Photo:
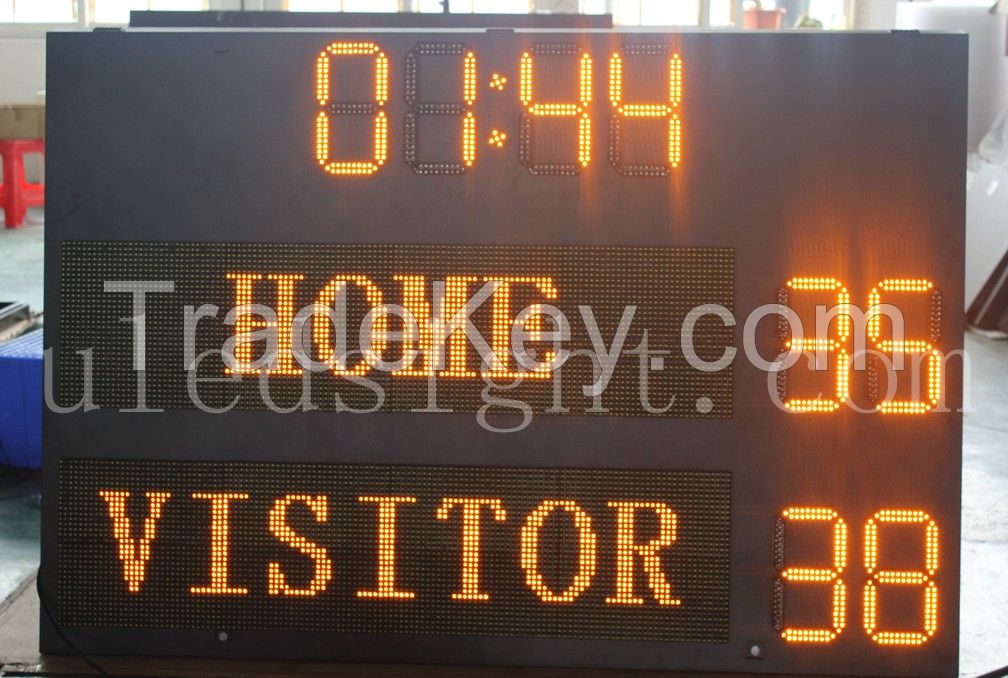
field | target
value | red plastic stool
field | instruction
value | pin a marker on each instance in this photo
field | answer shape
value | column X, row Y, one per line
column 16, row 194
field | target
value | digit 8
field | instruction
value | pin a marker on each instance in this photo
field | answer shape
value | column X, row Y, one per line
column 901, row 577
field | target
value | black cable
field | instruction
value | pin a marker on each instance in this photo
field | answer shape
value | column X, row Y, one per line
column 48, row 613
column 996, row 673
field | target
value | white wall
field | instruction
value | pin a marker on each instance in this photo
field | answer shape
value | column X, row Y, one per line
column 22, row 69
column 874, row 15
column 988, row 65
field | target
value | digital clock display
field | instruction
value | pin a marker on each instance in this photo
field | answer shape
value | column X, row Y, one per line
column 540, row 121
column 610, row 349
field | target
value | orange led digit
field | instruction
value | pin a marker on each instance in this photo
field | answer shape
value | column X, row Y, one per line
column 381, row 77
column 220, row 536
column 469, row 121
column 587, row 547
column 471, row 541
column 615, row 79
column 819, row 575
column 386, row 548
column 668, row 111
column 577, row 110
column 906, row 346
column 469, row 139
column 584, row 122
column 627, row 547
column 469, row 79
column 824, row 345
column 418, row 108
column 525, row 79
column 330, row 108
column 277, row 580
column 880, row 577
column 133, row 553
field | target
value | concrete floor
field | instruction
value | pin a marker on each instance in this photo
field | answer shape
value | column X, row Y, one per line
column 984, row 611
column 19, row 530
column 984, row 608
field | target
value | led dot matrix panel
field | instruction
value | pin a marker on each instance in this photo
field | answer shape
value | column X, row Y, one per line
column 407, row 549
column 588, row 171
column 660, row 283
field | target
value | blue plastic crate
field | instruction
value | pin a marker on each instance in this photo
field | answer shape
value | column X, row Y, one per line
column 21, row 401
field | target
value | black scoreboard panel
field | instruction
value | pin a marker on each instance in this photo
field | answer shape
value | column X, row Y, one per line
column 510, row 219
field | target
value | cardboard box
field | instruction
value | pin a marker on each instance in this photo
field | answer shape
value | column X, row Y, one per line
column 23, row 121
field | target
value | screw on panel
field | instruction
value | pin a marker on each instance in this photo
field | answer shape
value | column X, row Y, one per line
column 755, row 651
column 223, row 636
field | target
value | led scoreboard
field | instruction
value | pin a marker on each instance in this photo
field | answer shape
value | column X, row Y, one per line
column 569, row 348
